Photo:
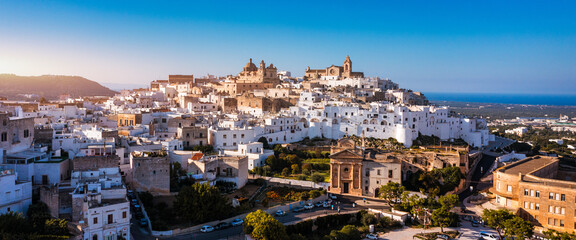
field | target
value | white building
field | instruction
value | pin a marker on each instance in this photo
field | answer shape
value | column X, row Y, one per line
column 16, row 195
column 99, row 203
column 254, row 151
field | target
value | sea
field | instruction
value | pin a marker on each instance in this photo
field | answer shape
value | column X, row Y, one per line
column 515, row 98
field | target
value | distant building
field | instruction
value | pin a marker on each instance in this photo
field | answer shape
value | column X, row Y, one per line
column 344, row 71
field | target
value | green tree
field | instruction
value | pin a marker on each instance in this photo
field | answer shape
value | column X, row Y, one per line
column 555, row 235
column 14, row 223
column 498, row 219
column 368, row 218
column 201, row 202
column 293, row 159
column 307, row 166
column 449, row 201
column 262, row 226
column 442, row 217
column 286, row 172
column 56, row 226
column 275, row 163
column 317, row 177
column 295, row 169
column 391, row 192
column 518, row 228
column 348, row 232
column 37, row 214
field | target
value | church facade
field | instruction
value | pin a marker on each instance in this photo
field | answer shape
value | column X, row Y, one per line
column 334, row 72
column 358, row 171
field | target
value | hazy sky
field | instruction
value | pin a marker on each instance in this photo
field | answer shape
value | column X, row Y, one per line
column 430, row 46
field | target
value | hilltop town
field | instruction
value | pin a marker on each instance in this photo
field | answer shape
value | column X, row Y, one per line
column 188, row 152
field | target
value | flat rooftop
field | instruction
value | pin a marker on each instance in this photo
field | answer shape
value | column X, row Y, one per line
column 528, row 165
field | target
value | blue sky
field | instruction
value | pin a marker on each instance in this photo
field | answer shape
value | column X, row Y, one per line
column 429, row 46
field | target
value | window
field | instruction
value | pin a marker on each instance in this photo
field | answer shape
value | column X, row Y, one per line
column 557, row 210
column 4, row 136
column 498, row 185
column 95, row 220
column 563, row 211
column 124, row 214
column 367, row 172
column 509, row 188
column 563, row 197
column 555, row 222
column 526, row 204
column 537, row 207
column 531, row 205
column 550, row 209
column 550, row 221
column 537, row 193
column 561, row 223
column 551, row 196
column 234, row 136
column 526, row 192
column 390, row 174
column 532, row 193
column 378, row 172
column 224, row 136
column 557, row 196
column 26, row 133
column 110, row 218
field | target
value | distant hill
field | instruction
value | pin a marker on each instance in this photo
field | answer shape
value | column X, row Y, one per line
column 49, row 86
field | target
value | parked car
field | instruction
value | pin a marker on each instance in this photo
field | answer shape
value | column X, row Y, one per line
column 329, row 200
column 134, row 201
column 443, row 236
column 280, row 213
column 326, row 204
column 309, row 206
column 332, row 196
column 488, row 236
column 237, row 222
column 139, row 215
column 143, row 222
column 318, row 204
column 371, row 236
column 206, row 229
column 222, row 225
column 298, row 209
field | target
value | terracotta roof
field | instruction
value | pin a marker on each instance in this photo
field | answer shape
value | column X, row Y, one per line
column 197, row 156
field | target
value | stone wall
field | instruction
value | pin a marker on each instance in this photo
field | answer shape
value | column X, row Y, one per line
column 151, row 174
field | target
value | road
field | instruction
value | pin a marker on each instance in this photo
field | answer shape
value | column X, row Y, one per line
column 345, row 205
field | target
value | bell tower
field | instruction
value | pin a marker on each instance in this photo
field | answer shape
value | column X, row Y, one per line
column 347, row 67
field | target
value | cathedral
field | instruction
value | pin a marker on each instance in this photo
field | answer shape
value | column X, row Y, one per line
column 252, row 78
column 339, row 72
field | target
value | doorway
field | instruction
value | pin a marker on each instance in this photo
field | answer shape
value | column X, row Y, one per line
column 346, row 187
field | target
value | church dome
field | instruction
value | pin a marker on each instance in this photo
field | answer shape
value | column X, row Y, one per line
column 250, row 66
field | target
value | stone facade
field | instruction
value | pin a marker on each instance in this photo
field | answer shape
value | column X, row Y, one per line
column 193, row 136
column 344, row 71
column 358, row 172
column 540, row 190
column 129, row 119
column 150, row 172
column 16, row 134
